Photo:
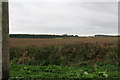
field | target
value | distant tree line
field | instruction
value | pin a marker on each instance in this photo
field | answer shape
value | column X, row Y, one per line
column 107, row 35
column 40, row 36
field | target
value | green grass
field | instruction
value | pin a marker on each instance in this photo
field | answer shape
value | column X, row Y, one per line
column 22, row 71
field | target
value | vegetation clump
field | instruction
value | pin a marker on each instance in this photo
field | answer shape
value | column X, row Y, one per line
column 79, row 61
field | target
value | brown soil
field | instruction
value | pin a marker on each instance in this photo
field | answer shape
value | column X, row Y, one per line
column 22, row 42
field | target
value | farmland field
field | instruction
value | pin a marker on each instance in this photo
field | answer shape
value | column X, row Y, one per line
column 21, row 42
column 80, row 58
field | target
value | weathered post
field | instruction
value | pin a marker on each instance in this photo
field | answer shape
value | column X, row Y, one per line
column 0, row 40
column 4, row 35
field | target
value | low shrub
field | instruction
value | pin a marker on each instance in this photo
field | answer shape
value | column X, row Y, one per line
column 67, row 54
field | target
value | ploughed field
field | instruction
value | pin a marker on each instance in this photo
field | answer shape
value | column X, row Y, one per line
column 22, row 42
column 81, row 58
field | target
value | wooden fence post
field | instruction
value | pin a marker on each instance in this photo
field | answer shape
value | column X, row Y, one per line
column 4, row 38
column 0, row 40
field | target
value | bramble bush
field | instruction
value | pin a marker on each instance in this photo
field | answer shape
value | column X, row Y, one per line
column 68, row 61
column 67, row 54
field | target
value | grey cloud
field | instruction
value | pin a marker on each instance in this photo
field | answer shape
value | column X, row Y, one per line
column 68, row 17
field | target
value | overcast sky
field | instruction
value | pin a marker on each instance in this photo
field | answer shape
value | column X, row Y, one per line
column 81, row 18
